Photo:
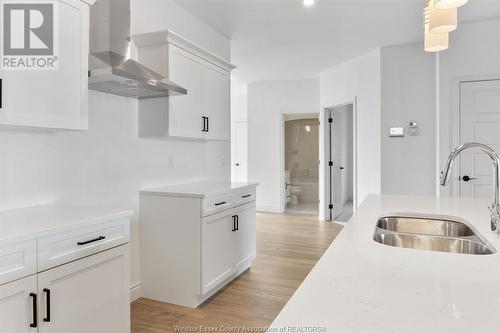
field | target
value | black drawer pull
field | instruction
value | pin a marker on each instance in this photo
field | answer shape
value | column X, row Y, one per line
column 234, row 223
column 92, row 240
column 35, row 311
column 220, row 203
column 246, row 196
column 47, row 302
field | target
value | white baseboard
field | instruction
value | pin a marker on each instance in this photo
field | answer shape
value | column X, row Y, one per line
column 135, row 292
column 268, row 209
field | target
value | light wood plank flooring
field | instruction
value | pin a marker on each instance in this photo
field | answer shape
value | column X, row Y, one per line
column 288, row 246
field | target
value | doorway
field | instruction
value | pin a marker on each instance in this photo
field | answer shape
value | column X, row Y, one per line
column 301, row 162
column 479, row 121
column 239, row 152
column 340, row 162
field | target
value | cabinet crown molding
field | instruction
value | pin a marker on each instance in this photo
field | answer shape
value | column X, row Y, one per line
column 170, row 37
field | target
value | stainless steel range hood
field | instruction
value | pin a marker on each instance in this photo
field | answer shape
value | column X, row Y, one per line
column 110, row 68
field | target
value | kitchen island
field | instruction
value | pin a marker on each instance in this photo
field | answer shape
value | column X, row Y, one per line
column 360, row 285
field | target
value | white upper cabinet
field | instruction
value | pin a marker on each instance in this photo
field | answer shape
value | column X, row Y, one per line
column 204, row 113
column 55, row 98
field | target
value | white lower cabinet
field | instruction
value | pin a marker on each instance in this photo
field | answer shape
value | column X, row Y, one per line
column 193, row 245
column 87, row 295
column 18, row 306
column 217, row 261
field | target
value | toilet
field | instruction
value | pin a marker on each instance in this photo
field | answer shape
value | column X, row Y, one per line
column 295, row 191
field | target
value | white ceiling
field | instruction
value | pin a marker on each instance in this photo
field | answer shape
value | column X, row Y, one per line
column 281, row 39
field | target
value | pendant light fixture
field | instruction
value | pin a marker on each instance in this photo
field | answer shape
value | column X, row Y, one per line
column 446, row 4
column 441, row 20
column 433, row 42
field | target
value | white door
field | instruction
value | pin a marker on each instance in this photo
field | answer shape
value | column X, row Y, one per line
column 216, row 250
column 217, row 101
column 245, row 242
column 16, row 306
column 240, row 152
column 336, row 158
column 479, row 122
column 185, row 111
column 88, row 295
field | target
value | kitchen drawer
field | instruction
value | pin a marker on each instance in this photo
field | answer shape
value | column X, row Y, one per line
column 244, row 196
column 17, row 260
column 213, row 205
column 80, row 242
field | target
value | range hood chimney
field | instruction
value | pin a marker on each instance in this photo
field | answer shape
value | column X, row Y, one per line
column 110, row 68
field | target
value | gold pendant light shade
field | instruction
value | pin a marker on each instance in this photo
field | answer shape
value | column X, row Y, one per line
column 434, row 42
column 447, row 4
column 441, row 20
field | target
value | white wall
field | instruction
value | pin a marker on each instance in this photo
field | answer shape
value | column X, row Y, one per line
column 108, row 164
column 408, row 94
column 266, row 103
column 473, row 54
column 360, row 79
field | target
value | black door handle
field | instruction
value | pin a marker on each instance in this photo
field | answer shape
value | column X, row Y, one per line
column 467, row 178
column 47, row 302
column 35, row 311
column 92, row 240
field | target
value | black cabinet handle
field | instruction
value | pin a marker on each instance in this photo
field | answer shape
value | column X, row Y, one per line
column 246, row 196
column 35, row 311
column 1, row 93
column 219, row 203
column 205, row 124
column 208, row 125
column 234, row 223
column 237, row 222
column 92, row 240
column 47, row 302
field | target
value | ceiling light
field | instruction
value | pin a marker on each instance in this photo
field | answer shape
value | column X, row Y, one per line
column 308, row 3
column 446, row 4
column 441, row 20
column 434, row 42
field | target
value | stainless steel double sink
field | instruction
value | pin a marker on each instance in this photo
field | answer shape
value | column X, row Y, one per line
column 431, row 234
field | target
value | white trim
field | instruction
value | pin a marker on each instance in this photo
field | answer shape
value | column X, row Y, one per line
column 135, row 292
column 170, row 37
column 437, row 106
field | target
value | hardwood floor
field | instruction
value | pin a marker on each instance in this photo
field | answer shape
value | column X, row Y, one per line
column 288, row 246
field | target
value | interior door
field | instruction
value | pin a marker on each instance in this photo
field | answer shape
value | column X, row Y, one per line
column 479, row 122
column 245, row 235
column 16, row 306
column 336, row 158
column 87, row 295
column 240, row 152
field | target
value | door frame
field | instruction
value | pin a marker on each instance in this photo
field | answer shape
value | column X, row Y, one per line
column 282, row 114
column 455, row 125
column 324, row 156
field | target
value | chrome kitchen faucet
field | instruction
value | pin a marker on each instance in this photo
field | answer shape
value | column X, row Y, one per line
column 445, row 177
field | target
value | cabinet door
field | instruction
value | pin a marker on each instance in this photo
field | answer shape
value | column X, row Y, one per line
column 216, row 250
column 53, row 98
column 16, row 306
column 186, row 70
column 245, row 236
column 217, row 102
column 88, row 295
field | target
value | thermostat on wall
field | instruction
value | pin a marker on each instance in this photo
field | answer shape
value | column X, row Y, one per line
column 396, row 132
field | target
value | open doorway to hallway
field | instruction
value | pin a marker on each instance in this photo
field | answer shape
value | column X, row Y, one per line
column 339, row 131
column 301, row 162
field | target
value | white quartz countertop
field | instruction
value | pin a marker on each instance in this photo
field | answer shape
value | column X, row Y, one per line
column 359, row 285
column 198, row 189
column 38, row 221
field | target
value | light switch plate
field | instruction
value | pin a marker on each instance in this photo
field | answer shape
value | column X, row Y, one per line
column 396, row 132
